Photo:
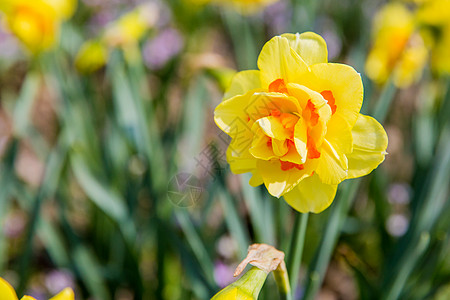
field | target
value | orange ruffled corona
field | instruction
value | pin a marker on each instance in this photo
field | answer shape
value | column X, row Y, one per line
column 295, row 123
column 8, row 293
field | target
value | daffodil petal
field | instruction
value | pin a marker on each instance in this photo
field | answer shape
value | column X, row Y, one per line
column 311, row 195
column 280, row 148
column 278, row 181
column 261, row 147
column 293, row 156
column 27, row 298
column 311, row 47
column 6, row 290
column 333, row 166
column 340, row 135
column 238, row 155
column 256, row 179
column 369, row 146
column 303, row 94
column 240, row 164
column 346, row 86
column 301, row 139
column 230, row 117
column 242, row 82
column 262, row 104
column 66, row 294
column 273, row 128
column 279, row 61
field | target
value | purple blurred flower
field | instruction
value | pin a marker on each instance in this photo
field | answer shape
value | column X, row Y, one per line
column 277, row 17
column 223, row 274
column 327, row 29
column 102, row 18
column 158, row 51
column 14, row 225
column 93, row 3
column 57, row 280
column 37, row 294
column 333, row 42
column 399, row 193
column 9, row 47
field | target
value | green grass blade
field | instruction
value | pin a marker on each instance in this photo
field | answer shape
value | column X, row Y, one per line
column 254, row 202
column 7, row 179
column 89, row 270
column 384, row 101
column 233, row 220
column 196, row 244
column 296, row 249
column 408, row 262
column 54, row 166
column 24, row 104
column 108, row 200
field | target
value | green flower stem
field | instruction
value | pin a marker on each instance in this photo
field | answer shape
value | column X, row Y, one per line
column 282, row 281
column 332, row 230
column 296, row 248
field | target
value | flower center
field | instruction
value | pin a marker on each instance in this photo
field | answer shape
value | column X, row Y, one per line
column 287, row 165
column 314, row 128
column 278, row 86
column 328, row 95
column 311, row 116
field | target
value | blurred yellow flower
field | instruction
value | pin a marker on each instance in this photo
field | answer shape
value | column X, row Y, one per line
column 91, row 57
column 440, row 57
column 248, row 6
column 132, row 26
column 434, row 12
column 125, row 32
column 434, row 16
column 295, row 123
column 8, row 293
column 36, row 23
column 242, row 6
column 398, row 50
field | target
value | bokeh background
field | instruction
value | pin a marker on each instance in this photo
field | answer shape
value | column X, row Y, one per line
column 113, row 176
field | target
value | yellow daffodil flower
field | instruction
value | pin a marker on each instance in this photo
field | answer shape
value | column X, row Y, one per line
column 132, row 26
column 243, row 6
column 91, row 57
column 36, row 23
column 440, row 57
column 125, row 32
column 247, row 6
column 397, row 49
column 8, row 293
column 434, row 16
column 295, row 123
column 434, row 12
